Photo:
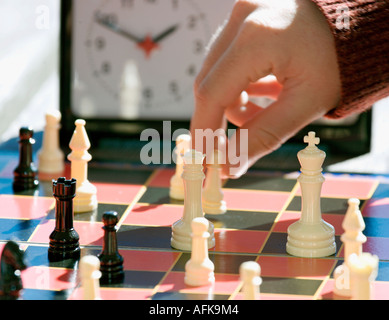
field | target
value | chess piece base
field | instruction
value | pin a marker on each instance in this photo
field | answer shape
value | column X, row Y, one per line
column 86, row 199
column 23, row 184
column 214, row 208
column 311, row 240
column 111, row 269
column 63, row 246
column 182, row 239
column 50, row 166
column 199, row 275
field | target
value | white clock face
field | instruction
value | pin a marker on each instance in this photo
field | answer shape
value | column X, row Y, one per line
column 138, row 59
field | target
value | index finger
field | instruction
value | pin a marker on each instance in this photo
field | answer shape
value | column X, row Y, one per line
column 225, row 82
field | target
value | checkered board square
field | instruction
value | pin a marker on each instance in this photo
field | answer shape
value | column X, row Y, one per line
column 261, row 206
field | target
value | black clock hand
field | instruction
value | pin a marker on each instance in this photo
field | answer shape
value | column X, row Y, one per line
column 115, row 28
column 165, row 33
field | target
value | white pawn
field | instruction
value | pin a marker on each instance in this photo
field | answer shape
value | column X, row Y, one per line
column 363, row 272
column 199, row 270
column 85, row 199
column 213, row 195
column 51, row 157
column 176, row 182
column 250, row 272
column 352, row 238
column 90, row 275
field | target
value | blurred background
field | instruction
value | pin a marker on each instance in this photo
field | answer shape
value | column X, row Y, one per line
column 29, row 79
column 29, row 45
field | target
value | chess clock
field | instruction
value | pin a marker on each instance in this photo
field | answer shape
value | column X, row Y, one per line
column 134, row 61
column 128, row 65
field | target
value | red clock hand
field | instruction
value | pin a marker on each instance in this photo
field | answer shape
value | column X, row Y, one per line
column 148, row 45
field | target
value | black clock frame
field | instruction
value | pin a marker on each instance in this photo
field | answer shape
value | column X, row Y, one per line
column 115, row 139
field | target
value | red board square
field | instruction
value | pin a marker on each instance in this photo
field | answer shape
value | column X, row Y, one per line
column 115, row 294
column 292, row 267
column 255, row 200
column 285, row 220
column 148, row 260
column 380, row 291
column 91, row 233
column 46, row 278
column 154, row 215
column 20, row 207
column 162, row 178
column 272, row 296
column 224, row 283
column 230, row 240
column 346, row 187
column 117, row 193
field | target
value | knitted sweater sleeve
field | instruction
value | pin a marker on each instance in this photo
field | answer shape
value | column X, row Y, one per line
column 361, row 32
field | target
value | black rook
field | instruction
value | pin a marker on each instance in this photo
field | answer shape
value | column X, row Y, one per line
column 64, row 240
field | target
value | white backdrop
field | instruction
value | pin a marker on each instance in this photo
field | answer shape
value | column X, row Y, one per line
column 29, row 33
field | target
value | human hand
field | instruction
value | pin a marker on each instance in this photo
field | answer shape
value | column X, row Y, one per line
column 281, row 49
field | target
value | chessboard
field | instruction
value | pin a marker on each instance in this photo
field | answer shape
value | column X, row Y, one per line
column 261, row 206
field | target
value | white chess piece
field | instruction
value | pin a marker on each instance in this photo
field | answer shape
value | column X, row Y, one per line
column 363, row 272
column 193, row 177
column 213, row 195
column 51, row 157
column 352, row 238
column 311, row 236
column 250, row 272
column 90, row 275
column 86, row 199
column 176, row 183
column 199, row 270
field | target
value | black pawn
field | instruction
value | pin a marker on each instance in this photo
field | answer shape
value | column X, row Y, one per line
column 25, row 173
column 64, row 240
column 111, row 262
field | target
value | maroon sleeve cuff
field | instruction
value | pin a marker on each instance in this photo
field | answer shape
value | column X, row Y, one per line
column 361, row 32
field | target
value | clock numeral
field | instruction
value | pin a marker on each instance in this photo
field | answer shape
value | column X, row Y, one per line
column 151, row 1
column 148, row 95
column 198, row 46
column 173, row 86
column 175, row 90
column 192, row 22
column 175, row 4
column 100, row 43
column 191, row 70
column 106, row 68
column 127, row 3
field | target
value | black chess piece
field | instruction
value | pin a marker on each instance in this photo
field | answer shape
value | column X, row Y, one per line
column 64, row 240
column 12, row 262
column 111, row 262
column 25, row 174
